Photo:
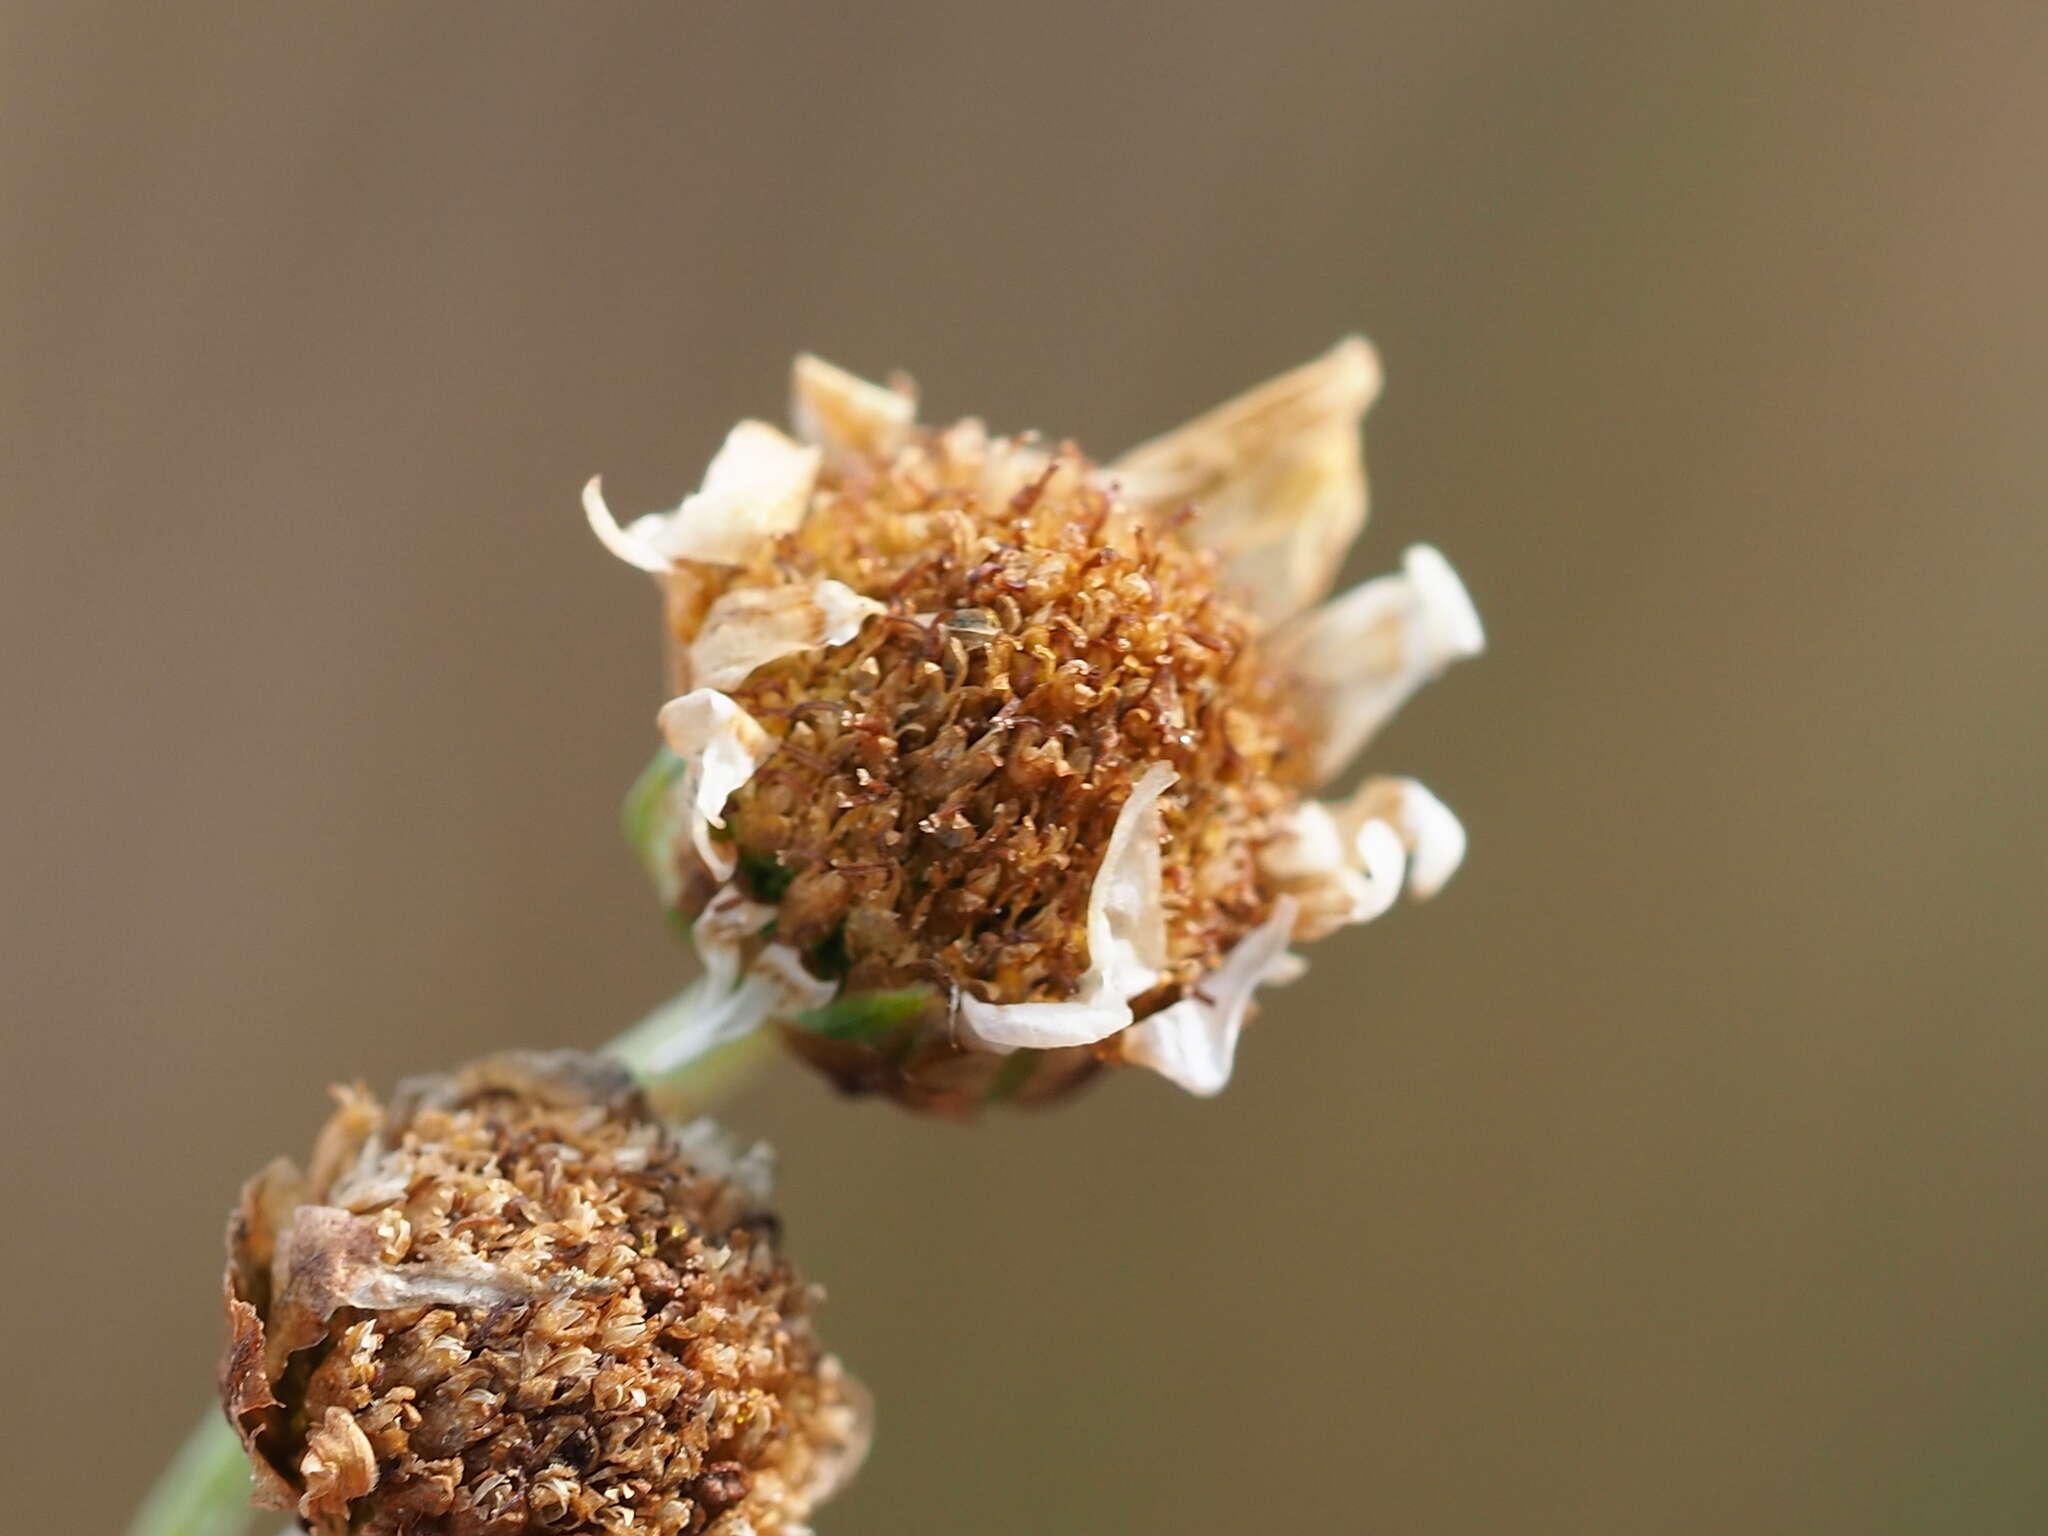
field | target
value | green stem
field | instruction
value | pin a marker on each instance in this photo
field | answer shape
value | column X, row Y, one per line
column 204, row 1491
column 685, row 1053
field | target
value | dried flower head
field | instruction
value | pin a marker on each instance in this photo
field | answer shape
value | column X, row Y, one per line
column 988, row 764
column 513, row 1302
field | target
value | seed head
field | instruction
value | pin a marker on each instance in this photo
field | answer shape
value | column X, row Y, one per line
column 513, row 1302
column 989, row 764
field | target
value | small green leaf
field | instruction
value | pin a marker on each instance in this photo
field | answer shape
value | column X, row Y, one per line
column 867, row 1016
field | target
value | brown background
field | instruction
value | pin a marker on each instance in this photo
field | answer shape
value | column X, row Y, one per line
column 1680, row 1171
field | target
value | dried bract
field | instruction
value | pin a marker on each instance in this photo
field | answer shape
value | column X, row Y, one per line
column 513, row 1302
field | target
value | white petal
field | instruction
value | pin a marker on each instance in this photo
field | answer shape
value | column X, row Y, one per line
column 751, row 626
column 637, row 546
column 842, row 413
column 757, row 488
column 1126, row 917
column 1430, row 830
column 722, row 745
column 1194, row 1042
column 1039, row 1026
column 1338, row 874
column 1358, row 658
column 1276, row 476
column 1126, row 941
column 1382, row 865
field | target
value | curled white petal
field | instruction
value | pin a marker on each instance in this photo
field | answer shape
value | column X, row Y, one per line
column 638, row 545
column 721, row 745
column 1194, row 1042
column 1429, row 829
column 1276, row 476
column 1382, row 865
column 757, row 488
column 1126, row 941
column 1039, row 1026
column 750, row 626
column 841, row 412
column 1126, row 917
column 1358, row 658
column 1337, row 874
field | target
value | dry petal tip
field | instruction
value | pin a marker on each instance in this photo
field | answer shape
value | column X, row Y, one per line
column 1452, row 619
column 757, row 488
column 749, row 627
column 844, row 413
column 1275, row 477
column 632, row 545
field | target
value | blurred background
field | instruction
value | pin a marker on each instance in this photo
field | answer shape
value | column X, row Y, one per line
column 1679, row 1171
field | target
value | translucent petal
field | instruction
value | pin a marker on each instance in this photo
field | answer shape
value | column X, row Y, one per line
column 638, row 545
column 1194, row 1042
column 1040, row 1026
column 757, row 488
column 1358, row 658
column 750, row 626
column 1126, row 917
column 722, row 745
column 845, row 414
column 1276, row 476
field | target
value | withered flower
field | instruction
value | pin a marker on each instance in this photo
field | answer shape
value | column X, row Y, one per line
column 512, row 1302
column 989, row 765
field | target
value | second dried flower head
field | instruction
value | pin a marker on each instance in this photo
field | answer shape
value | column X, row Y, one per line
column 989, row 765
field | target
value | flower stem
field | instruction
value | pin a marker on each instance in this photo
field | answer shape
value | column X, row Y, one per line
column 685, row 1053
column 205, row 1489
column 695, row 1048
